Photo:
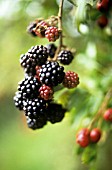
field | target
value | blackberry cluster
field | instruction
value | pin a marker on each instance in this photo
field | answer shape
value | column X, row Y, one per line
column 65, row 57
column 35, row 91
column 51, row 73
column 42, row 73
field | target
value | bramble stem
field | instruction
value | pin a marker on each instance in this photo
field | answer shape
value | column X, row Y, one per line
column 60, row 29
column 102, row 108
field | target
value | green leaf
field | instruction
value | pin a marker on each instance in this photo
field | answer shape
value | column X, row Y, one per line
column 89, row 154
column 81, row 12
column 90, row 2
column 72, row 2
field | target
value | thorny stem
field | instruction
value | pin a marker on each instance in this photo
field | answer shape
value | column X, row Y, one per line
column 60, row 29
column 102, row 108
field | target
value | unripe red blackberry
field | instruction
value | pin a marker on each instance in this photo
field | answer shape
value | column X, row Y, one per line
column 65, row 57
column 41, row 28
column 95, row 135
column 71, row 79
column 46, row 92
column 102, row 21
column 55, row 112
column 82, row 138
column 108, row 115
column 51, row 49
column 52, row 33
column 51, row 73
column 19, row 99
column 35, row 107
column 37, row 68
column 29, row 87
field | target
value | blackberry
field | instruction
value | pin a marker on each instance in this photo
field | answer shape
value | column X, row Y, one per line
column 55, row 113
column 35, row 107
column 41, row 28
column 103, row 6
column 108, row 115
column 36, row 123
column 51, row 73
column 28, row 62
column 51, row 49
column 29, row 87
column 71, row 79
column 39, row 53
column 18, row 100
column 37, row 68
column 102, row 21
column 95, row 135
column 52, row 33
column 46, row 92
column 65, row 57
column 83, row 137
column 52, row 21
column 31, row 28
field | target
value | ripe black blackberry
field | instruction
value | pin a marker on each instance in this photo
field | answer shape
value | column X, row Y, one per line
column 18, row 100
column 65, row 57
column 28, row 62
column 37, row 55
column 34, row 108
column 29, row 87
column 31, row 28
column 51, row 73
column 36, row 123
column 51, row 49
column 55, row 112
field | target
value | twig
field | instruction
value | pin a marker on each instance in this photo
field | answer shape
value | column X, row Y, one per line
column 102, row 108
column 60, row 29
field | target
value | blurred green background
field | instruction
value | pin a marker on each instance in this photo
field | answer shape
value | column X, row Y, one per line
column 52, row 147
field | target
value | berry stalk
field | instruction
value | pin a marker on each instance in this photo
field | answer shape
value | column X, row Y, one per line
column 60, row 29
column 102, row 108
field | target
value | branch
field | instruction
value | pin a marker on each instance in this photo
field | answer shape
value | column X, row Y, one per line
column 102, row 108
